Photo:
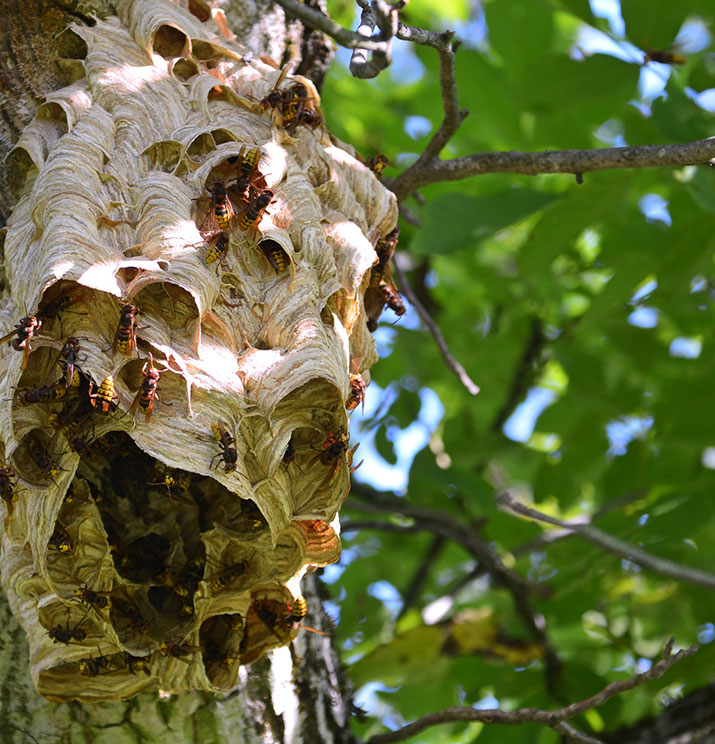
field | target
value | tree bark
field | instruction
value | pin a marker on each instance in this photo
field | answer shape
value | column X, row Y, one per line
column 690, row 720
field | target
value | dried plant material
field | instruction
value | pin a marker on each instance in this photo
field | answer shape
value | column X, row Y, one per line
column 170, row 478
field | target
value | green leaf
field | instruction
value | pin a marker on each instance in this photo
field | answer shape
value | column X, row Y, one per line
column 519, row 49
column 653, row 24
column 454, row 223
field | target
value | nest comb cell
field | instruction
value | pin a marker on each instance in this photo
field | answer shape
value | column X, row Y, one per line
column 187, row 264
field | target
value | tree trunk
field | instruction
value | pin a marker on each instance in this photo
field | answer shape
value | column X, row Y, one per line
column 690, row 720
column 104, row 180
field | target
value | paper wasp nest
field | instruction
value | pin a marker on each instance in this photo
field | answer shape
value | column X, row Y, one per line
column 156, row 532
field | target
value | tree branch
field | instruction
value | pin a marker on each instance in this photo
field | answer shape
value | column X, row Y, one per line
column 523, row 375
column 434, row 329
column 414, row 588
column 570, row 734
column 327, row 25
column 355, row 525
column 553, row 718
column 381, row 14
column 577, row 162
column 612, row 544
column 364, row 498
column 453, row 115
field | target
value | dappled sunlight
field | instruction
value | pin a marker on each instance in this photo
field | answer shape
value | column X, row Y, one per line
column 655, row 209
column 624, row 430
column 685, row 348
column 644, row 317
column 406, row 443
column 131, row 78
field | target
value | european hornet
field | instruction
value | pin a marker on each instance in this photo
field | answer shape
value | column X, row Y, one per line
column 269, row 614
column 177, row 650
column 64, row 422
column 391, row 297
column 44, row 394
column 147, row 394
column 24, row 330
column 54, row 307
column 125, row 339
column 335, row 446
column 7, row 484
column 185, row 583
column 220, row 581
column 377, row 164
column 297, row 612
column 275, row 254
column 275, row 97
column 185, row 609
column 221, row 207
column 131, row 613
column 193, row 571
column 668, row 56
column 289, row 454
column 297, row 108
column 51, row 309
column 66, row 635
column 173, row 478
column 61, row 541
column 385, row 248
column 216, row 247
column 93, row 666
column 42, row 459
column 166, row 577
column 256, row 208
column 247, row 167
column 136, row 664
column 106, row 398
column 356, row 396
column 228, row 455
column 68, row 360
column 96, row 600
column 236, row 622
column 252, row 515
column 81, row 447
column 282, row 623
column 214, row 654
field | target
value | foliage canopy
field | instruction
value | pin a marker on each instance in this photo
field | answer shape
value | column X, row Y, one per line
column 585, row 313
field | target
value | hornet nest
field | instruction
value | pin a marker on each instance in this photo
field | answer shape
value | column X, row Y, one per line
column 186, row 269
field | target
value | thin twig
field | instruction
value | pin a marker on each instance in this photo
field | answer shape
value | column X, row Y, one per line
column 612, row 544
column 414, row 588
column 453, row 115
column 570, row 734
column 344, row 37
column 360, row 65
column 434, row 329
column 551, row 536
column 355, row 525
column 551, row 718
column 353, row 40
column 364, row 498
column 449, row 527
column 576, row 162
column 523, row 375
